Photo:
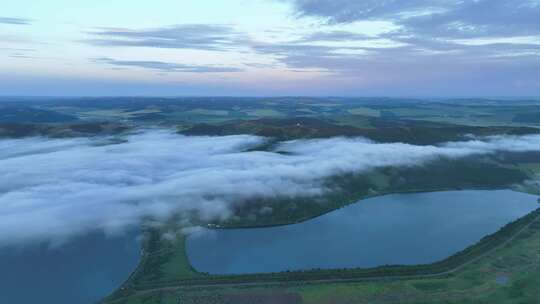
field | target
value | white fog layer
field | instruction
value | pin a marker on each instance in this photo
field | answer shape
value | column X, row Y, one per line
column 53, row 189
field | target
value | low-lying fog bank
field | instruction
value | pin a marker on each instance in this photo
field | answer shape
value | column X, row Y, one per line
column 53, row 189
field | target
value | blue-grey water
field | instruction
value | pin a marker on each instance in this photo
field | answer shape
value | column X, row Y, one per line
column 403, row 229
column 81, row 271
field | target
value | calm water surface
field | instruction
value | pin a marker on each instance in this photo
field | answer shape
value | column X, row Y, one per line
column 401, row 229
column 79, row 272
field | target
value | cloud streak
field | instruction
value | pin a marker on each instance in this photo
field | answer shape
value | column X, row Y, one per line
column 443, row 18
column 210, row 37
column 443, row 45
column 166, row 66
column 54, row 189
column 15, row 21
column 494, row 38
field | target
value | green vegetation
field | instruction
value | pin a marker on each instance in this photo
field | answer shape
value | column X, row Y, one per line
column 162, row 262
column 265, row 113
column 533, row 117
column 471, row 173
column 381, row 130
column 470, row 112
column 82, row 129
column 17, row 114
column 208, row 112
column 365, row 111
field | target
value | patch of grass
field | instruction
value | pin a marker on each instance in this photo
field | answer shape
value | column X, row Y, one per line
column 532, row 169
column 262, row 113
column 356, row 121
column 208, row 112
column 163, row 262
column 113, row 113
column 430, row 285
column 365, row 112
column 177, row 265
column 306, row 110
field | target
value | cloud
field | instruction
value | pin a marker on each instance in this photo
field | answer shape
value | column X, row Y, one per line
column 484, row 18
column 334, row 35
column 443, row 17
column 413, row 65
column 20, row 56
column 166, row 66
column 489, row 144
column 445, row 34
column 54, row 189
column 15, row 21
column 427, row 48
column 343, row 11
column 209, row 37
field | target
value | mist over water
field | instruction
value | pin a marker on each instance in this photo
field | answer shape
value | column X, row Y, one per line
column 54, row 189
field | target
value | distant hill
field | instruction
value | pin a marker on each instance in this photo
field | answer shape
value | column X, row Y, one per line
column 382, row 130
column 32, row 115
column 18, row 130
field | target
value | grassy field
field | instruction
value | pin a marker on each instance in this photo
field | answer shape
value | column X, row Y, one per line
column 365, row 112
column 478, row 112
column 262, row 113
column 208, row 112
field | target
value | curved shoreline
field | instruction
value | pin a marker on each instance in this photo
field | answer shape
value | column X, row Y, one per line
column 356, row 201
column 354, row 274
column 362, row 275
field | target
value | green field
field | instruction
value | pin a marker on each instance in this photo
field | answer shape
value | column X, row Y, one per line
column 475, row 112
column 271, row 113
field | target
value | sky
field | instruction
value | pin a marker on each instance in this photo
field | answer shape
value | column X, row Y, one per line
column 52, row 190
column 270, row 48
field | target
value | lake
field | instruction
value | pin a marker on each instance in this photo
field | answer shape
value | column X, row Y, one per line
column 405, row 229
column 81, row 271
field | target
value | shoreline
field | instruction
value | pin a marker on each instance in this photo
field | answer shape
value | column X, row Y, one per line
column 279, row 278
